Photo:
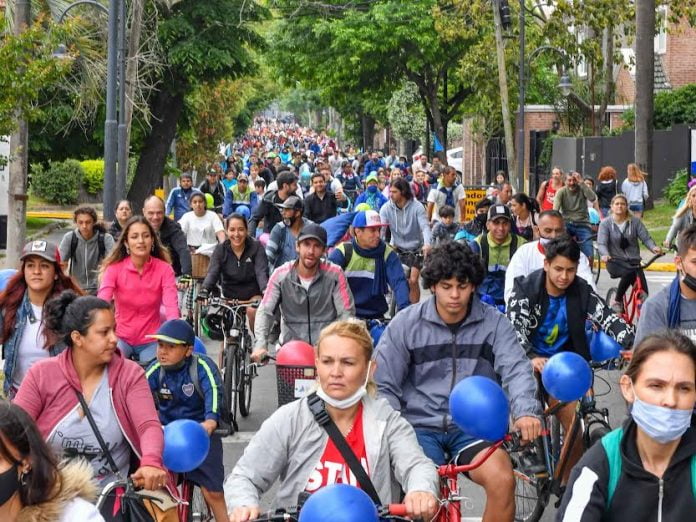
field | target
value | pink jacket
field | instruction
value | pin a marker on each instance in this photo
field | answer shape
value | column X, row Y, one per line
column 48, row 395
column 138, row 298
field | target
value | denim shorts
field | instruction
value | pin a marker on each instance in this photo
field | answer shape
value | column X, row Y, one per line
column 144, row 352
column 635, row 207
column 443, row 447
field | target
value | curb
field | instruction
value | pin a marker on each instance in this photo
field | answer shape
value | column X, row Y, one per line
column 655, row 267
column 47, row 230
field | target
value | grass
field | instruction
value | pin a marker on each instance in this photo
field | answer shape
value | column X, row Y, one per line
column 658, row 220
column 36, row 224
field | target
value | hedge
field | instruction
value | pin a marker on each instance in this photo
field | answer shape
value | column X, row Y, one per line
column 59, row 183
column 93, row 175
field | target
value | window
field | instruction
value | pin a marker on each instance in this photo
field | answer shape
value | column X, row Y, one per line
column 660, row 43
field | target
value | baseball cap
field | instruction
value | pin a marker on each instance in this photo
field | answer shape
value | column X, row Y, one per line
column 499, row 210
column 242, row 177
column 292, row 202
column 372, row 177
column 185, row 175
column 367, row 219
column 45, row 249
column 175, row 331
column 313, row 231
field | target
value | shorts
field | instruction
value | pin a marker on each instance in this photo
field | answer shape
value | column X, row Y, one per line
column 455, row 445
column 144, row 353
column 211, row 474
column 410, row 259
column 635, row 207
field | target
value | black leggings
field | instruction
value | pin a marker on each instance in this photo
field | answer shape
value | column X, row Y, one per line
column 628, row 279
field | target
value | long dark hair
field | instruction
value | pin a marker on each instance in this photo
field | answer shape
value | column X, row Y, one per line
column 11, row 297
column 17, row 429
column 119, row 251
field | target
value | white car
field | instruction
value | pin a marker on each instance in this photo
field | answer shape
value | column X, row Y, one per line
column 455, row 158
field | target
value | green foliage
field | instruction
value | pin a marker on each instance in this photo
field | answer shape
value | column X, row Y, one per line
column 93, row 175
column 677, row 106
column 405, row 113
column 27, row 67
column 59, row 183
column 676, row 190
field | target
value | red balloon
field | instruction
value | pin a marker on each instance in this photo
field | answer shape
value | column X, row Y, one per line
column 295, row 353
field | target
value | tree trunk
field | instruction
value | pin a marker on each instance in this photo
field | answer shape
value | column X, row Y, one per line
column 504, row 100
column 368, row 131
column 608, row 58
column 166, row 109
column 645, row 82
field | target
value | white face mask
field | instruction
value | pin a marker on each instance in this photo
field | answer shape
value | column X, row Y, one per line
column 544, row 240
column 343, row 404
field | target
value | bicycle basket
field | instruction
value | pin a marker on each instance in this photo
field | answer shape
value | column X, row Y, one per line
column 212, row 323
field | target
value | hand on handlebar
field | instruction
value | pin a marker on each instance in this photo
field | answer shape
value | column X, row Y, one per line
column 259, row 355
column 149, row 477
column 657, row 250
column 202, row 295
column 420, row 504
column 528, row 427
column 538, row 363
column 244, row 513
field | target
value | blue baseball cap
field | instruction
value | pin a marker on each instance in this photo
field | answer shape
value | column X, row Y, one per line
column 175, row 331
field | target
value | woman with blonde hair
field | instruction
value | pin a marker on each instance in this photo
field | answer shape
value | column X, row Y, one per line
column 636, row 189
column 138, row 277
column 292, row 446
column 683, row 218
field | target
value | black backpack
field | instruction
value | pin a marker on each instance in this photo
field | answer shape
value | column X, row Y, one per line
column 485, row 252
column 100, row 243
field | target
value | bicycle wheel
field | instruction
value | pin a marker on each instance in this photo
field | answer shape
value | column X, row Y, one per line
column 198, row 508
column 596, row 263
column 595, row 431
column 196, row 314
column 247, row 377
column 531, row 493
column 611, row 294
column 230, row 380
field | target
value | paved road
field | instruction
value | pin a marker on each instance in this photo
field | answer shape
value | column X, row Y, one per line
column 264, row 403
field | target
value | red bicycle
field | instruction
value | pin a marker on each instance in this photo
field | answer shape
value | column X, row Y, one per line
column 633, row 300
column 449, row 510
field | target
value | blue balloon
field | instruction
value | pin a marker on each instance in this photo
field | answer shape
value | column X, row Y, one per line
column 603, row 347
column 186, row 445
column 566, row 376
column 199, row 347
column 243, row 210
column 5, row 276
column 376, row 331
column 343, row 502
column 480, row 408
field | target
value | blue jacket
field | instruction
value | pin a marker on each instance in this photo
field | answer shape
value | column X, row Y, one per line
column 373, row 166
column 360, row 273
column 178, row 201
column 177, row 397
column 9, row 347
column 375, row 200
column 234, row 199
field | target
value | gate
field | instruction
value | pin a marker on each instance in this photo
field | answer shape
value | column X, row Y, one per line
column 538, row 165
column 496, row 157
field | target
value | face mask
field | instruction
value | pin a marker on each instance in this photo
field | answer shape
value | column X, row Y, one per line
column 343, row 404
column 174, row 367
column 372, row 189
column 660, row 423
column 544, row 241
column 689, row 281
column 9, row 484
column 481, row 218
column 289, row 221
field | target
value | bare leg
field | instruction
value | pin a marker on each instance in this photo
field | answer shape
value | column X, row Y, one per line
column 216, row 502
column 496, row 478
column 414, row 286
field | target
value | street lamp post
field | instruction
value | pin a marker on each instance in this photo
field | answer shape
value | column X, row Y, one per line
column 114, row 135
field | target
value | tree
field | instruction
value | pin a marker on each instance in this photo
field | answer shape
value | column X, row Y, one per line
column 201, row 43
column 645, row 82
column 368, row 49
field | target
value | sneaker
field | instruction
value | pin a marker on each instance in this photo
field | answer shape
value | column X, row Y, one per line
column 617, row 307
column 642, row 296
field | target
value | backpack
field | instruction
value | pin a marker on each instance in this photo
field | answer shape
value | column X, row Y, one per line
column 100, row 244
column 611, row 443
column 485, row 249
column 225, row 416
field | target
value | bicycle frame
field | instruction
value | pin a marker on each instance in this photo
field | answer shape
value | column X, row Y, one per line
column 632, row 301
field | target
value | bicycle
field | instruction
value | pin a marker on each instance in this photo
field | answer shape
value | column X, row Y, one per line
column 192, row 304
column 128, row 491
column 534, row 484
column 633, row 301
column 238, row 371
column 194, row 508
column 450, row 500
column 409, row 259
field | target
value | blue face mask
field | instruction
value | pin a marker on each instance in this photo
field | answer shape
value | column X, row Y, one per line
column 372, row 189
column 662, row 424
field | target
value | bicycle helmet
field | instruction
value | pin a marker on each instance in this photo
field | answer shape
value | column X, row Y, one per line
column 211, row 324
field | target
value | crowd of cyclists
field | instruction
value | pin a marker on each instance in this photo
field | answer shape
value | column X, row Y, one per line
column 98, row 355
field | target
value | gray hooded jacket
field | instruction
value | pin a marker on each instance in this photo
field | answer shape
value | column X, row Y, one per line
column 290, row 443
column 84, row 266
column 409, row 226
column 419, row 361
